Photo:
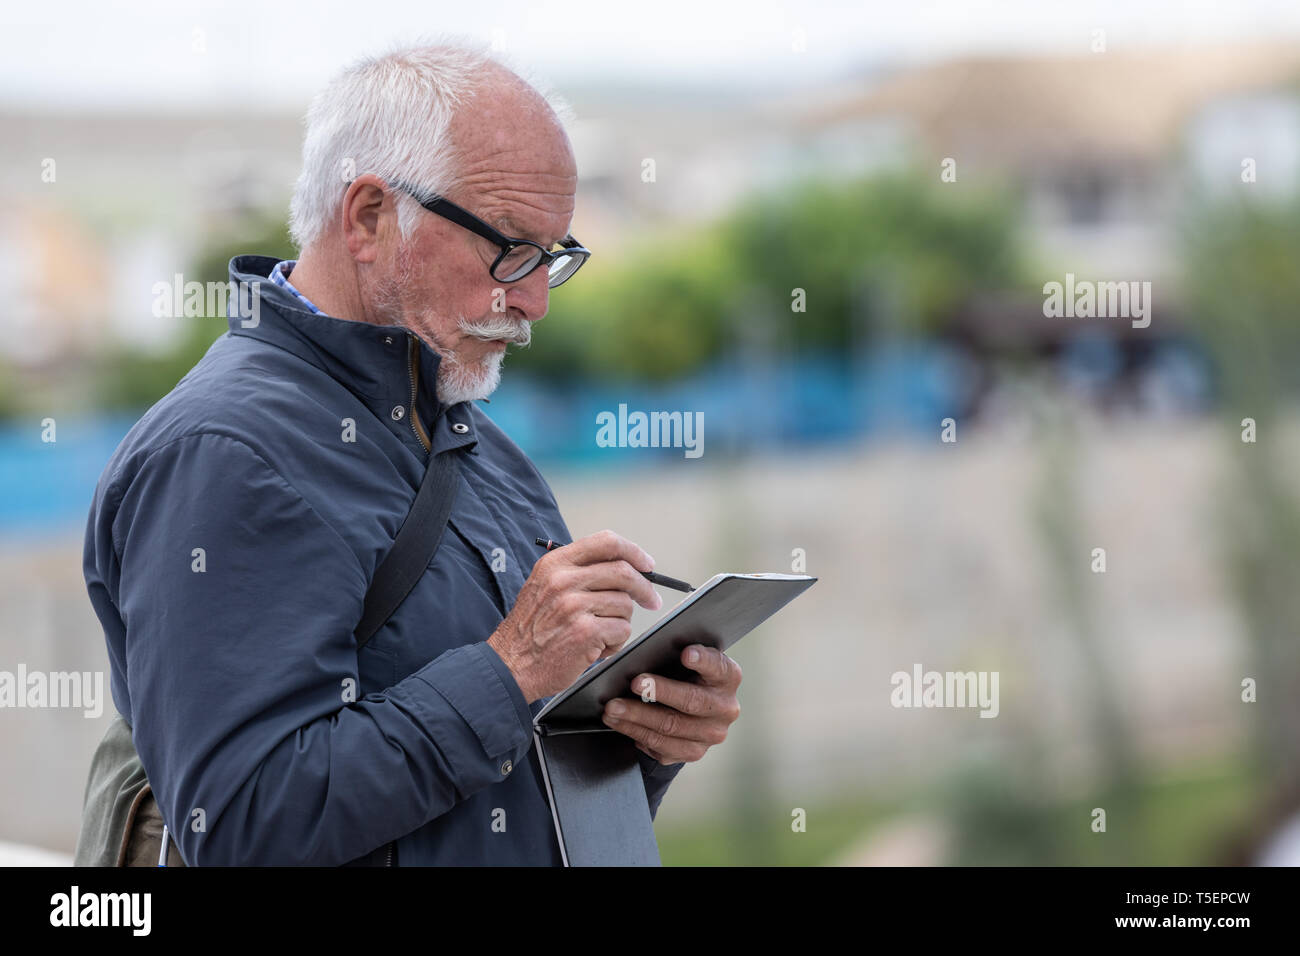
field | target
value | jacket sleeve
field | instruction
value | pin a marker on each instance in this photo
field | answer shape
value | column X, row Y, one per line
column 239, row 602
column 657, row 778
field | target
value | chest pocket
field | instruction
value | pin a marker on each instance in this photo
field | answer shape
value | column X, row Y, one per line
column 455, row 603
column 470, row 585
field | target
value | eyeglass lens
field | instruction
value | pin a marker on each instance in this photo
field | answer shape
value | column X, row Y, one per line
column 521, row 260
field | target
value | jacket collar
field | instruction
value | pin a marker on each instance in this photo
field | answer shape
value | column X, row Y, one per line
column 377, row 363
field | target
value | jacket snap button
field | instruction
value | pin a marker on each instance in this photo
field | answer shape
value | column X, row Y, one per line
column 506, row 768
column 398, row 412
column 460, row 428
column 388, row 340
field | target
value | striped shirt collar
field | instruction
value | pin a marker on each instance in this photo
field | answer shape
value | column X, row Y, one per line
column 280, row 276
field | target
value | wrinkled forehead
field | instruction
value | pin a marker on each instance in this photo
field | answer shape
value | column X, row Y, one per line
column 489, row 135
column 544, row 236
column 516, row 165
column 520, row 199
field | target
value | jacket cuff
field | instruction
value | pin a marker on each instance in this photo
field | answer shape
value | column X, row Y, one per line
column 657, row 777
column 511, row 685
column 481, row 689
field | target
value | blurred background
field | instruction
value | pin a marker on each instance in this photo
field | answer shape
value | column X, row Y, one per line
column 840, row 242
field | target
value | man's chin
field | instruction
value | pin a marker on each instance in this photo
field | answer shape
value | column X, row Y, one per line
column 454, row 386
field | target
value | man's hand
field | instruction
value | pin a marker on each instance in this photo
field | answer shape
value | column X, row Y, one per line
column 574, row 609
column 676, row 721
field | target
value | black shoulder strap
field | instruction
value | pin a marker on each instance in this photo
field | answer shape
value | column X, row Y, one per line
column 415, row 545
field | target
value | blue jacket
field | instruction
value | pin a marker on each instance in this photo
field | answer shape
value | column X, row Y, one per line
column 230, row 544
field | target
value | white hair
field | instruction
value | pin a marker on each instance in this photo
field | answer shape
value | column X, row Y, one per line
column 391, row 116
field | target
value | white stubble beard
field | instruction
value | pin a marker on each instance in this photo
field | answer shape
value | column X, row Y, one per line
column 458, row 382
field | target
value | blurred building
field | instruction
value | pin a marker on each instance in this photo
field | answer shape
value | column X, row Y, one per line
column 1105, row 146
column 98, row 207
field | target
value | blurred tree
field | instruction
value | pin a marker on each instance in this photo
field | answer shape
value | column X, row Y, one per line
column 939, row 243
column 11, row 403
column 1242, row 285
column 654, row 313
column 1106, row 722
column 665, row 308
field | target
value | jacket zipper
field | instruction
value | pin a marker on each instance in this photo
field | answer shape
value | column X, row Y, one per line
column 411, row 352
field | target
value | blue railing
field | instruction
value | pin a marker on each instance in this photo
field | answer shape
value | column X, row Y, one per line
column 757, row 408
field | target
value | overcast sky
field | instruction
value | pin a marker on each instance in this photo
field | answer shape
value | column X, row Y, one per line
column 200, row 53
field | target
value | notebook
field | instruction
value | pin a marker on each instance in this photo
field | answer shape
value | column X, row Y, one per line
column 592, row 774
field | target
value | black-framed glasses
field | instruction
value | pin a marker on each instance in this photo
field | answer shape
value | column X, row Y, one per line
column 519, row 257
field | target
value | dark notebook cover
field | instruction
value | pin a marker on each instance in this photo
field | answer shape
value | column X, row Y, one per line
column 593, row 777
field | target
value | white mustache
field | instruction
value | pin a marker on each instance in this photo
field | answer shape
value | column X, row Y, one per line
column 521, row 333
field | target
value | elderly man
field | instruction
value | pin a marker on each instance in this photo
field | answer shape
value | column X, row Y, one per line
column 234, row 533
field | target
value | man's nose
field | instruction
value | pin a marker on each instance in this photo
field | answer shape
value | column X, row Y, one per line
column 531, row 294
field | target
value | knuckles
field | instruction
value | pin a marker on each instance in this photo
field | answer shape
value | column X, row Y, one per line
column 693, row 700
column 569, row 603
column 584, row 629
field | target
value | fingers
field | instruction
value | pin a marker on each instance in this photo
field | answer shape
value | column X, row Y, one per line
column 611, row 604
column 608, row 633
column 575, row 608
column 714, row 666
column 621, row 576
column 653, row 754
column 604, row 561
column 698, row 700
column 608, row 546
column 658, row 727
column 615, row 609
column 667, row 750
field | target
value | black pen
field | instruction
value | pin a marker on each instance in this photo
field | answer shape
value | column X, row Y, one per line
column 652, row 577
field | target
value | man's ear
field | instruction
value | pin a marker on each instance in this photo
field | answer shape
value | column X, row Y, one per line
column 368, row 211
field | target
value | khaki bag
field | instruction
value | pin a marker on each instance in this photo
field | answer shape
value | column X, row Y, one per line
column 120, row 823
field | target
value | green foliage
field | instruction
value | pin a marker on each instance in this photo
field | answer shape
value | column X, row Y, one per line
column 652, row 314
column 1194, row 815
column 666, row 307
column 11, row 404
column 833, row 827
column 936, row 244
column 1240, row 287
